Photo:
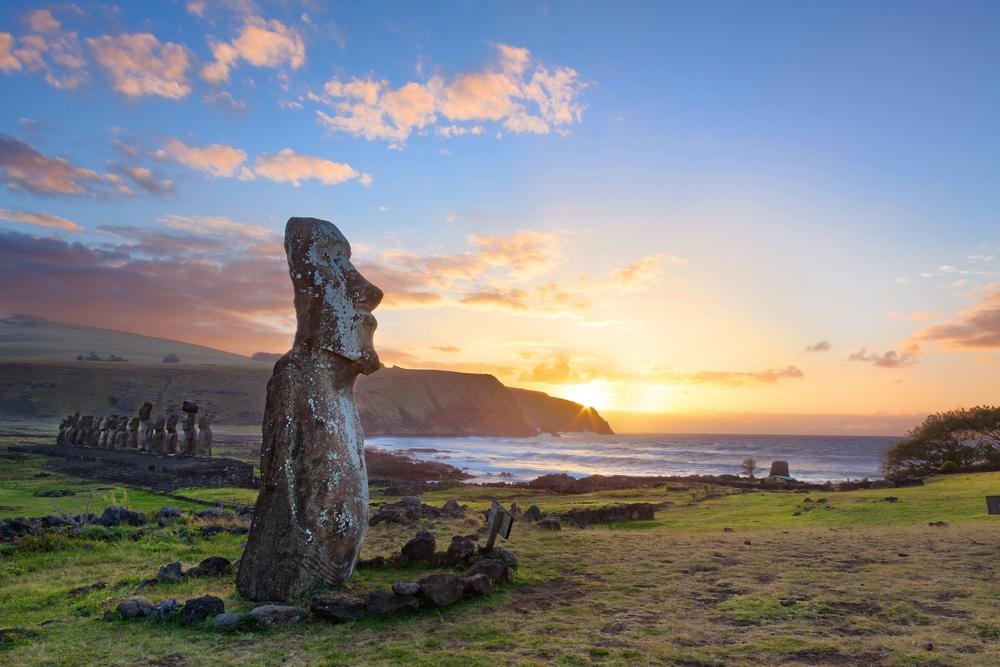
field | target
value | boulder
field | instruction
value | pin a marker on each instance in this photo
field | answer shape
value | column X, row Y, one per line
column 338, row 608
column 505, row 555
column 420, row 549
column 400, row 588
column 226, row 622
column 84, row 590
column 441, row 590
column 196, row 610
column 165, row 609
column 56, row 521
column 477, row 585
column 211, row 513
column 212, row 566
column 452, row 508
column 549, row 523
column 272, row 615
column 383, row 604
column 410, row 501
column 497, row 571
column 461, row 550
column 119, row 516
column 170, row 572
column 532, row 513
column 134, row 608
column 168, row 516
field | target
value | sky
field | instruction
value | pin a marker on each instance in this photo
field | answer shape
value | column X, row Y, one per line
column 673, row 209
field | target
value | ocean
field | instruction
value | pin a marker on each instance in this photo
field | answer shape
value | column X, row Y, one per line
column 810, row 458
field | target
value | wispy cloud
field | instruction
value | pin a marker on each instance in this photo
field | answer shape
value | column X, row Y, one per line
column 23, row 167
column 976, row 328
column 40, row 220
column 908, row 356
column 819, row 346
column 216, row 160
column 287, row 166
column 140, row 65
column 260, row 42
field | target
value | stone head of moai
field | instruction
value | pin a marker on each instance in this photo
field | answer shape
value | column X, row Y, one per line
column 159, row 423
column 172, row 422
column 145, row 410
column 205, row 421
column 333, row 301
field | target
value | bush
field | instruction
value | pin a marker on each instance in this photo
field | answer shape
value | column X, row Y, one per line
column 953, row 440
column 948, row 467
column 171, row 358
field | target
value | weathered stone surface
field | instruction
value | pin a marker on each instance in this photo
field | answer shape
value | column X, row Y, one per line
column 188, row 437
column 84, row 590
column 779, row 469
column 461, row 550
column 453, row 508
column 168, row 516
column 227, row 621
column 505, row 555
column 203, row 441
column 272, row 615
column 613, row 514
column 312, row 511
column 213, row 566
column 135, row 608
column 498, row 571
column 381, row 603
column 166, row 609
column 441, row 590
column 477, row 585
column 405, row 588
column 532, row 513
column 338, row 608
column 196, row 610
column 420, row 549
column 119, row 516
column 132, row 440
column 170, row 446
column 549, row 523
column 156, row 442
column 170, row 572
column 145, row 427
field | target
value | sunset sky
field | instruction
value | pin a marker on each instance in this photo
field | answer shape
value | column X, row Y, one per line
column 679, row 208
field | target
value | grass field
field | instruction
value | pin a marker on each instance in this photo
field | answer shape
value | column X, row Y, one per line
column 853, row 580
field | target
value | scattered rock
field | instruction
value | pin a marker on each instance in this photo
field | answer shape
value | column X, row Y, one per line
column 822, row 501
column 211, row 513
column 212, row 531
column 226, row 621
column 134, row 608
column 929, row 646
column 441, row 590
column 338, row 608
column 119, row 516
column 410, row 501
column 890, row 499
column 420, row 549
column 168, row 516
column 165, row 609
column 170, row 572
column 453, row 508
column 549, row 523
column 532, row 513
column 239, row 530
column 937, row 523
column 506, row 556
column 497, row 571
column 383, row 604
column 477, row 585
column 83, row 590
column 56, row 493
column 727, row 530
column 460, row 551
column 408, row 588
column 377, row 561
column 273, row 615
column 212, row 566
column 787, row 602
column 197, row 610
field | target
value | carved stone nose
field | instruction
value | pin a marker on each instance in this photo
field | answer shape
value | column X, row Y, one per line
column 369, row 296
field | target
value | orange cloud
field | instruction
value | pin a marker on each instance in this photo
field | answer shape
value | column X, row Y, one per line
column 8, row 61
column 976, row 328
column 216, row 160
column 21, row 166
column 888, row 359
column 287, row 166
column 261, row 43
column 40, row 220
column 49, row 50
column 41, row 20
column 140, row 65
column 738, row 378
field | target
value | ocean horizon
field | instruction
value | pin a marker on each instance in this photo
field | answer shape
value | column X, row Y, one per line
column 814, row 458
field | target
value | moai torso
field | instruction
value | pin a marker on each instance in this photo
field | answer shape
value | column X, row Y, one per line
column 121, row 433
column 132, row 439
column 157, row 437
column 188, row 434
column 171, row 437
column 145, row 427
column 204, row 439
column 102, row 437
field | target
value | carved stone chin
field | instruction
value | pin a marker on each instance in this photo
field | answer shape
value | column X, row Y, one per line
column 312, row 512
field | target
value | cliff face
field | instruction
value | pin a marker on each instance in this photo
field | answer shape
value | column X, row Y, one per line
column 393, row 401
column 548, row 413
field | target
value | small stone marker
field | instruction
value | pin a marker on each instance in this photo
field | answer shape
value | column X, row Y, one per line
column 500, row 521
column 993, row 504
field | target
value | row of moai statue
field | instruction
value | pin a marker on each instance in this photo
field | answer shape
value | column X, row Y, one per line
column 142, row 434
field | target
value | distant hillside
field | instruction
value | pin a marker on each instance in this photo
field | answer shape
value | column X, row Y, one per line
column 41, row 379
column 24, row 337
column 547, row 413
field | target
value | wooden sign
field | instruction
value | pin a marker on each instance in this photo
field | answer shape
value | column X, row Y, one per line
column 500, row 522
column 993, row 504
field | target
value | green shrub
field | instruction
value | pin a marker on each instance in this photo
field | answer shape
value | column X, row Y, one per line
column 948, row 467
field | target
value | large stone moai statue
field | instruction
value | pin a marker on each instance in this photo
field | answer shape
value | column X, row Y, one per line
column 204, row 440
column 312, row 511
column 189, row 443
column 145, row 426
column 121, row 433
column 102, row 438
column 157, row 436
column 170, row 443
column 95, row 431
column 64, row 428
column 132, row 439
column 69, row 438
column 82, row 438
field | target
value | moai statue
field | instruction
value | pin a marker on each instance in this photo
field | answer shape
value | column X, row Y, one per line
column 171, row 438
column 204, row 439
column 82, row 436
column 145, row 427
column 74, row 427
column 132, row 439
column 102, row 437
column 121, row 433
column 312, row 511
column 157, row 437
column 188, row 442
column 95, row 431
column 64, row 426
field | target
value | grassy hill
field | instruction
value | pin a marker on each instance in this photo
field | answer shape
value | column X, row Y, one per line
column 23, row 337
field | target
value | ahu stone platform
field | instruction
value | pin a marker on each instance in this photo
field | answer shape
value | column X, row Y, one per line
column 158, row 473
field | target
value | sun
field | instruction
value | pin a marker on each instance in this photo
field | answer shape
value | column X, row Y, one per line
column 595, row 394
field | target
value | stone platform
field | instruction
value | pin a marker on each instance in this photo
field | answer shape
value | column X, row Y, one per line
column 158, row 473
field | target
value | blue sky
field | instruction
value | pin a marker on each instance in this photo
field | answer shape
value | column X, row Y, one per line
column 710, row 186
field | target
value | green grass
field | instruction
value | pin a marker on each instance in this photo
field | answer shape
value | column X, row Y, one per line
column 870, row 581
